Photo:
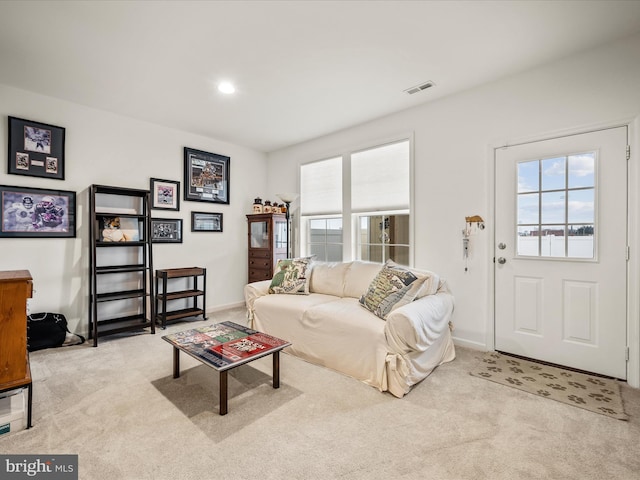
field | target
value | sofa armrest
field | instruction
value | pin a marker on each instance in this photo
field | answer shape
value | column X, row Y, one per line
column 415, row 326
column 255, row 290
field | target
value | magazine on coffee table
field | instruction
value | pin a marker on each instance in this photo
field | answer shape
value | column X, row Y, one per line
column 224, row 344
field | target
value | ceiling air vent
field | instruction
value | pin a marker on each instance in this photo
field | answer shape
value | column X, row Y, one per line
column 419, row 88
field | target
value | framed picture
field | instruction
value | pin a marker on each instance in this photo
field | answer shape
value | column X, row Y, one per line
column 165, row 194
column 35, row 149
column 206, row 176
column 206, row 222
column 119, row 228
column 166, row 230
column 36, row 212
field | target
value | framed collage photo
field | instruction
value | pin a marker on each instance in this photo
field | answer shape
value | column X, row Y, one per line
column 36, row 212
column 35, row 149
column 166, row 230
column 206, row 222
column 165, row 194
column 206, row 176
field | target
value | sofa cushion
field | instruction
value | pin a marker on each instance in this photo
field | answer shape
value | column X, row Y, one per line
column 291, row 275
column 328, row 278
column 358, row 277
column 393, row 287
column 287, row 310
column 333, row 332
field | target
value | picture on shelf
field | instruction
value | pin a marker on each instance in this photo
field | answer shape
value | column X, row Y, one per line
column 166, row 230
column 36, row 149
column 37, row 212
column 119, row 229
column 165, row 194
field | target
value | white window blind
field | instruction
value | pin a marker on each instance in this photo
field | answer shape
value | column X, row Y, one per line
column 380, row 178
column 321, row 187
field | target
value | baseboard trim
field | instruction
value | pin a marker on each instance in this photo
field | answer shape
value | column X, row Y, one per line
column 461, row 342
column 228, row 306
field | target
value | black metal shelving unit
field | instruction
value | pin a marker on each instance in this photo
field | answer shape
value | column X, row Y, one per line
column 105, row 263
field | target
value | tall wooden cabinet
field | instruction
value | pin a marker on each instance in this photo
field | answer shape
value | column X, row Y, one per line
column 267, row 234
column 16, row 286
column 121, row 267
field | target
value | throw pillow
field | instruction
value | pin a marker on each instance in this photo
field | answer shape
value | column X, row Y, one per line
column 292, row 276
column 393, row 287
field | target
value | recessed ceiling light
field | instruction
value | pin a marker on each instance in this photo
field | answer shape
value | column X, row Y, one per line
column 226, row 87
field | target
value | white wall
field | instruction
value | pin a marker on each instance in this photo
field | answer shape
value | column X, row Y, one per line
column 453, row 151
column 108, row 149
column 453, row 140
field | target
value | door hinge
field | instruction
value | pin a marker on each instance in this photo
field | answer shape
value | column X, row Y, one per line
column 626, row 353
column 628, row 252
column 628, row 152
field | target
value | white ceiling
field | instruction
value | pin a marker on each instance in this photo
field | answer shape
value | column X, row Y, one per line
column 302, row 68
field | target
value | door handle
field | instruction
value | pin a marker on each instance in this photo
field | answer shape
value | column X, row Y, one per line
column 502, row 260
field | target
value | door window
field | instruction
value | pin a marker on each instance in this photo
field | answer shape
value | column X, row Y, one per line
column 556, row 207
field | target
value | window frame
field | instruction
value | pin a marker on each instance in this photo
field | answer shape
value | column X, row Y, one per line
column 357, row 218
column 306, row 233
column 348, row 215
column 566, row 225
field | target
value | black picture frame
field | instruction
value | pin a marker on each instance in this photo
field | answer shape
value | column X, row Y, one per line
column 37, row 213
column 166, row 230
column 206, row 222
column 165, row 194
column 35, row 149
column 206, row 176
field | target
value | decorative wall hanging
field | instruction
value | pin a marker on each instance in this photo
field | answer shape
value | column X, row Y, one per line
column 206, row 176
column 36, row 212
column 165, row 194
column 166, row 230
column 206, row 222
column 35, row 149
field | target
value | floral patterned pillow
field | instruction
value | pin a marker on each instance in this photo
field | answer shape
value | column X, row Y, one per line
column 393, row 287
column 292, row 276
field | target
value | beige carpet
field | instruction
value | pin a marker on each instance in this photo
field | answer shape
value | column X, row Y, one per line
column 119, row 409
column 591, row 392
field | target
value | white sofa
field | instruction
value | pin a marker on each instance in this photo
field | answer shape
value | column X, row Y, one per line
column 329, row 327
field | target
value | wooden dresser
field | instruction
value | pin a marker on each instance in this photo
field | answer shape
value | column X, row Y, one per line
column 267, row 244
column 16, row 286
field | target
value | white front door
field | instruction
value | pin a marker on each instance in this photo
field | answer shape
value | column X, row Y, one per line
column 561, row 251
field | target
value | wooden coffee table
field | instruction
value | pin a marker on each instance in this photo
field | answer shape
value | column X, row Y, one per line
column 224, row 346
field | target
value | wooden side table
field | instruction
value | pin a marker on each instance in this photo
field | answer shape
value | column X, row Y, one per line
column 163, row 315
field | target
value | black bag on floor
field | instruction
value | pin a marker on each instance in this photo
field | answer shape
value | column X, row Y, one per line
column 46, row 330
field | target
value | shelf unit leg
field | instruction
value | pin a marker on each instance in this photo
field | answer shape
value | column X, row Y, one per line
column 204, row 296
column 164, row 302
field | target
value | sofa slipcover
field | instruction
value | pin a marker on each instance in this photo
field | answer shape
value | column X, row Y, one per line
column 329, row 327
